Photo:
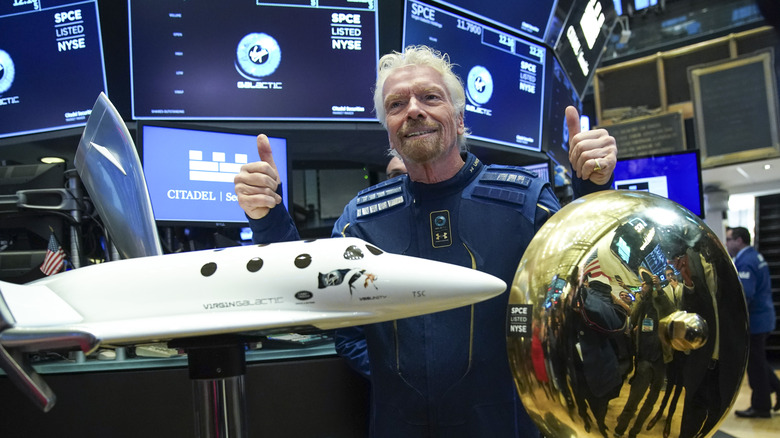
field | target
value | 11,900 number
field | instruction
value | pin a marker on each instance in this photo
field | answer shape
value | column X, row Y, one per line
column 468, row 26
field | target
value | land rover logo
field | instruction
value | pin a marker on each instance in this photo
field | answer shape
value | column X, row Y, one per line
column 304, row 295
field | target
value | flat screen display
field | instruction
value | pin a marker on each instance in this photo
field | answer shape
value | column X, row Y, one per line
column 541, row 169
column 561, row 94
column 51, row 65
column 582, row 39
column 189, row 172
column 676, row 176
column 503, row 74
column 253, row 60
column 528, row 18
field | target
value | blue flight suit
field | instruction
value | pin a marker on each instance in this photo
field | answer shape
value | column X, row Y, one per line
column 754, row 274
column 756, row 282
column 445, row 374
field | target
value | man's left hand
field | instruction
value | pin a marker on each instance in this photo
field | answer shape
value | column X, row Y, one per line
column 593, row 153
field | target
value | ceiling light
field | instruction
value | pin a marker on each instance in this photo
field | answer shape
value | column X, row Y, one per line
column 742, row 172
column 767, row 166
column 52, row 160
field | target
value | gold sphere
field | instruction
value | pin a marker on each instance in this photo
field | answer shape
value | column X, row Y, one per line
column 626, row 318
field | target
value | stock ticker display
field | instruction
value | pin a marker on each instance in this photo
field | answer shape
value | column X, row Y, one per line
column 51, row 65
column 503, row 74
column 237, row 60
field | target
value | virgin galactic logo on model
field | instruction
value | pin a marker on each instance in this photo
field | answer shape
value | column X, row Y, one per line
column 258, row 55
column 7, row 71
column 479, row 89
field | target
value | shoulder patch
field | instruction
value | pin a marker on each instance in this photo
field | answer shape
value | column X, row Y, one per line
column 498, row 194
column 507, row 175
column 380, row 197
column 505, row 184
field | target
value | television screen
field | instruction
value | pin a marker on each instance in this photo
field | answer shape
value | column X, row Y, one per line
column 524, row 17
column 253, row 60
column 676, row 176
column 51, row 65
column 503, row 74
column 582, row 39
column 561, row 94
column 189, row 172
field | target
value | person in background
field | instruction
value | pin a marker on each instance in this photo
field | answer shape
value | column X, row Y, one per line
column 627, row 298
column 446, row 373
column 756, row 283
column 395, row 167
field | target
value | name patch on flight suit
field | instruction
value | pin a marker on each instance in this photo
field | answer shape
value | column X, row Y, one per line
column 441, row 231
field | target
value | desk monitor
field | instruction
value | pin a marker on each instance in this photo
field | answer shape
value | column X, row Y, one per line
column 189, row 172
column 676, row 176
column 542, row 169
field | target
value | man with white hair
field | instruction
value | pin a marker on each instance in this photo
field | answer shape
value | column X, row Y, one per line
column 443, row 374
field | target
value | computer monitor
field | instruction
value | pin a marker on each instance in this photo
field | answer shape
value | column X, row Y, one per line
column 51, row 65
column 676, row 176
column 541, row 169
column 502, row 73
column 189, row 172
column 253, row 60
column 560, row 94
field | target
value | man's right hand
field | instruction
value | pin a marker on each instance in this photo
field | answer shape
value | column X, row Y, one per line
column 256, row 183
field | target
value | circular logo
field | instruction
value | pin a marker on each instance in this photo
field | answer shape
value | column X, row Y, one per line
column 257, row 56
column 7, row 71
column 304, row 295
column 479, row 85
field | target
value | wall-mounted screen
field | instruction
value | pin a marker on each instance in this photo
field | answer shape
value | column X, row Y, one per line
column 676, row 176
column 253, row 60
column 582, row 39
column 189, row 172
column 528, row 18
column 561, row 94
column 503, row 74
column 51, row 65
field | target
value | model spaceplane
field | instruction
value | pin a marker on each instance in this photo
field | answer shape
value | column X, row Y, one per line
column 323, row 284
column 261, row 289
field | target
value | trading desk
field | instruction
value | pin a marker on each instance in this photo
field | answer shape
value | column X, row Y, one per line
column 300, row 392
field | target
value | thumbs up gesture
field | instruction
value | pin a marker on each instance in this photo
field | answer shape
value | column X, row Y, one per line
column 256, row 183
column 593, row 153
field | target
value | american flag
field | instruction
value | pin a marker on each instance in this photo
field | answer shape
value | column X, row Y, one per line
column 55, row 257
column 592, row 267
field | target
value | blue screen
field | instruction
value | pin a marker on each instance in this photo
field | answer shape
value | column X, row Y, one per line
column 253, row 60
column 189, row 172
column 674, row 176
column 503, row 75
column 51, row 65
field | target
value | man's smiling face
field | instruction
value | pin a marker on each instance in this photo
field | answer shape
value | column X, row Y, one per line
column 421, row 121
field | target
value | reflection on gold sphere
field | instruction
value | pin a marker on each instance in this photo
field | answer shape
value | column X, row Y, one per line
column 683, row 331
column 626, row 318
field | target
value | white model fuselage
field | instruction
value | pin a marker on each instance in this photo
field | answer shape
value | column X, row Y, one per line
column 327, row 283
